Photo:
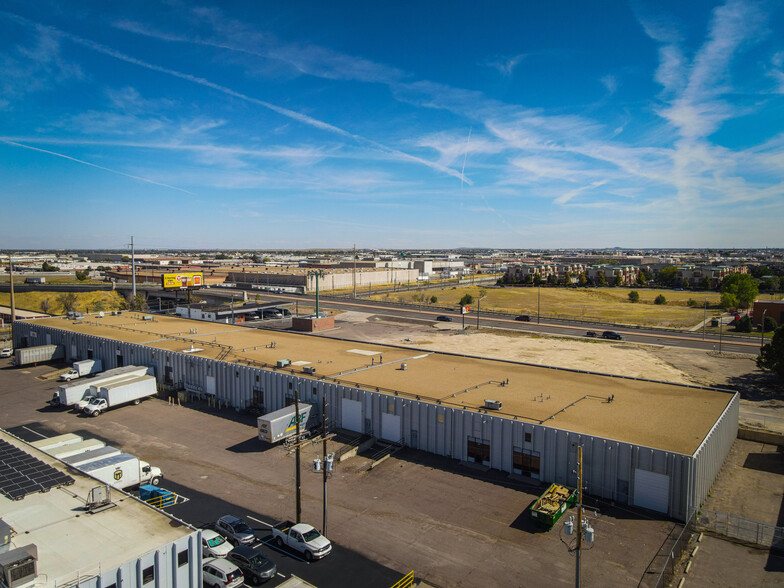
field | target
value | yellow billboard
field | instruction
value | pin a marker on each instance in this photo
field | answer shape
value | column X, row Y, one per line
column 183, row 280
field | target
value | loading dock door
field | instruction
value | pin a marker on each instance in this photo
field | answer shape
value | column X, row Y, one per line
column 390, row 427
column 210, row 385
column 652, row 491
column 351, row 415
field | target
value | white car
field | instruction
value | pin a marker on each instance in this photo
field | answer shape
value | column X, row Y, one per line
column 7, row 352
column 214, row 544
column 219, row 573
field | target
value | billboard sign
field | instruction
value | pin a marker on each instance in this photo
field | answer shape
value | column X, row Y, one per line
column 465, row 309
column 183, row 280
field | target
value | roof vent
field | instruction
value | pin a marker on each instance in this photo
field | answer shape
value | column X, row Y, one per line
column 309, row 369
column 494, row 404
column 99, row 498
column 19, row 566
column 284, row 363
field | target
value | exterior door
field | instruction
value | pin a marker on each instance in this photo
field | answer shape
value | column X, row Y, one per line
column 351, row 415
column 390, row 427
column 652, row 491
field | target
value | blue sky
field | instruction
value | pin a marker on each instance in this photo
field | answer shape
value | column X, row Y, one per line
column 392, row 124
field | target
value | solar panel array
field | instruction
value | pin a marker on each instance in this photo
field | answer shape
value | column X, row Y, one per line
column 22, row 474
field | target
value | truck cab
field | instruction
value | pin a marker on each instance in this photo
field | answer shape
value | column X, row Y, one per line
column 81, row 404
column 71, row 374
column 95, row 406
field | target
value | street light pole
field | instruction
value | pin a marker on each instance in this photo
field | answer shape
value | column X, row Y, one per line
column 297, row 456
column 762, row 335
column 538, row 301
column 324, row 463
column 478, row 306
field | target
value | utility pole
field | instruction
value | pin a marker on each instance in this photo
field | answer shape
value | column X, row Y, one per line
column 538, row 302
column 13, row 306
column 133, row 269
column 720, row 332
column 297, row 456
column 478, row 306
column 579, row 514
column 762, row 335
column 704, row 318
column 324, row 463
column 355, row 272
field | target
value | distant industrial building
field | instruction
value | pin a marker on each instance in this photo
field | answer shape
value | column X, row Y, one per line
column 54, row 533
column 650, row 444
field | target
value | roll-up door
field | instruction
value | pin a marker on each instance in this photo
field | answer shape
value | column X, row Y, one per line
column 390, row 427
column 652, row 491
column 351, row 415
column 210, row 385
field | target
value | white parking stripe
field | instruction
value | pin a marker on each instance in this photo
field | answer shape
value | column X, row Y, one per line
column 258, row 521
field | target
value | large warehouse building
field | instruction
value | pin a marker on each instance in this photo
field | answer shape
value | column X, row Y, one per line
column 648, row 444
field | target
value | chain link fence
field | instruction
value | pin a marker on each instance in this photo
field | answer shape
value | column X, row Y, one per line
column 744, row 529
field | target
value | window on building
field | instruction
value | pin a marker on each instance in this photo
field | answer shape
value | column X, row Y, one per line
column 528, row 436
column 525, row 462
column 291, row 386
column 478, row 450
column 182, row 558
column 148, row 575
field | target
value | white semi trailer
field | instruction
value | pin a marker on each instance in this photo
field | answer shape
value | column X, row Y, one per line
column 276, row 426
column 72, row 393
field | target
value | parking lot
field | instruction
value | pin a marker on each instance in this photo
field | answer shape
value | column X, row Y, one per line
column 452, row 524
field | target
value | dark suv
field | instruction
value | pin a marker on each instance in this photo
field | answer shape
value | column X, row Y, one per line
column 523, row 317
column 611, row 335
column 253, row 564
column 236, row 530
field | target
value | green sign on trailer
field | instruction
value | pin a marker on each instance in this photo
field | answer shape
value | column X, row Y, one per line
column 551, row 505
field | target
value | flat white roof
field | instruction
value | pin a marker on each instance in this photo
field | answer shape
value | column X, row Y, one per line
column 69, row 539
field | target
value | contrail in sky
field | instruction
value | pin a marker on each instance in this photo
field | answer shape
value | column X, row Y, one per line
column 114, row 171
column 465, row 157
column 298, row 116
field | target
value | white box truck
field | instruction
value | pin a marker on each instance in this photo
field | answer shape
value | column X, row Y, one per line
column 92, row 455
column 75, row 448
column 278, row 425
column 82, row 368
column 56, row 441
column 119, row 392
column 73, row 393
column 123, row 471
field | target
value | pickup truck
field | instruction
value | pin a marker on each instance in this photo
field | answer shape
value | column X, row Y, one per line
column 85, row 367
column 303, row 538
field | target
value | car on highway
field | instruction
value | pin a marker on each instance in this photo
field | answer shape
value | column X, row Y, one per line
column 219, row 573
column 444, row 319
column 236, row 530
column 612, row 335
column 591, row 334
column 523, row 317
column 253, row 564
column 213, row 544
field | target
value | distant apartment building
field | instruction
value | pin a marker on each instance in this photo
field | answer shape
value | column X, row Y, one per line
column 622, row 275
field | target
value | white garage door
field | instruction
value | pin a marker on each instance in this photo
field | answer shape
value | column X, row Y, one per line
column 351, row 415
column 652, row 491
column 390, row 427
column 210, row 385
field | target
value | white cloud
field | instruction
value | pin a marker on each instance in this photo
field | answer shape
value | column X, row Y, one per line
column 506, row 65
column 610, row 83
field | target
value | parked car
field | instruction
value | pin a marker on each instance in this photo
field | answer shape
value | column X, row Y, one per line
column 443, row 318
column 219, row 573
column 523, row 317
column 254, row 565
column 213, row 544
column 7, row 352
column 591, row 334
column 612, row 335
column 236, row 530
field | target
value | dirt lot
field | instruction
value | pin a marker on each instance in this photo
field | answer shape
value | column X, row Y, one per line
column 762, row 397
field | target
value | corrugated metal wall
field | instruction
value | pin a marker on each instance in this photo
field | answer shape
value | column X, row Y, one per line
column 608, row 466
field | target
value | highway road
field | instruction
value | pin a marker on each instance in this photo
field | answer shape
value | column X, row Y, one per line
column 691, row 340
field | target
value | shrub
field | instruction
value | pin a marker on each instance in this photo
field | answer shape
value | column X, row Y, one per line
column 770, row 324
column 433, row 299
column 692, row 303
column 634, row 296
column 660, row 299
column 744, row 325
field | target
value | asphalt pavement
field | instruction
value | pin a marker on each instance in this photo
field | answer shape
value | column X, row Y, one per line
column 342, row 567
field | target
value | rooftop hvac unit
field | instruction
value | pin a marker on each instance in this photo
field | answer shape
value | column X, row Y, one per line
column 284, row 362
column 493, row 404
column 147, row 317
column 309, row 369
column 19, row 566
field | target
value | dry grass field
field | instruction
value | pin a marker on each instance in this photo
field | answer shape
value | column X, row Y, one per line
column 602, row 304
column 94, row 301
